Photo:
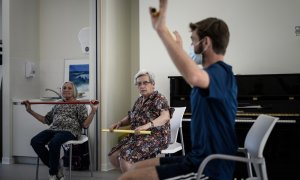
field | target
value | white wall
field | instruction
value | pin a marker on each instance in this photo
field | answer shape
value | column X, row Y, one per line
column 135, row 47
column 116, row 83
column 263, row 38
column 59, row 24
column 45, row 33
column 24, row 46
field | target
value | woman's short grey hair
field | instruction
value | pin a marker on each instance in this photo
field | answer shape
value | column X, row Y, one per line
column 143, row 72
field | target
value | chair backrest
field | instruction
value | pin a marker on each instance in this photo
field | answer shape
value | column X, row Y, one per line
column 258, row 135
column 176, row 122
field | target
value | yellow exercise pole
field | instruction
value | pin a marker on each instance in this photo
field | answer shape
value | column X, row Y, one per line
column 125, row 131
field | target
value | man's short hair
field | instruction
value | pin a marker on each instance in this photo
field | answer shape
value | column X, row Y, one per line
column 216, row 29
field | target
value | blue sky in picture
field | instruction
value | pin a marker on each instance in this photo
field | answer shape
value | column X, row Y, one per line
column 79, row 75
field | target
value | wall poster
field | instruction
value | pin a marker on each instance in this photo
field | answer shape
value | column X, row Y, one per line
column 77, row 71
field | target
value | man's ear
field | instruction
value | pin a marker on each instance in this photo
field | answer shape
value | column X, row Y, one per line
column 206, row 40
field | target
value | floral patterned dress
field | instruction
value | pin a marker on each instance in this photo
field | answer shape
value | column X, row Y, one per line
column 67, row 117
column 134, row 147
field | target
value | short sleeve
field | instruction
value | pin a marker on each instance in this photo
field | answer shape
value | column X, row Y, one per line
column 49, row 116
column 82, row 113
column 217, row 84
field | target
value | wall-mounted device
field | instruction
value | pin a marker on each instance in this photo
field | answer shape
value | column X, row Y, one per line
column 29, row 69
column 297, row 30
column 84, row 39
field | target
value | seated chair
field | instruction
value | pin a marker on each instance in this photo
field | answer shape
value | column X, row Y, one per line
column 254, row 145
column 83, row 138
column 176, row 125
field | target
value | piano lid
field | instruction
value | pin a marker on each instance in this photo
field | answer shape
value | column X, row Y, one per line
column 268, row 85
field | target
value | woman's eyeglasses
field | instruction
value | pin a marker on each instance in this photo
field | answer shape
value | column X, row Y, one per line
column 142, row 83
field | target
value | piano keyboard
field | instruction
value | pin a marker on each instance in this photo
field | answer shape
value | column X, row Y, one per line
column 288, row 121
column 271, row 114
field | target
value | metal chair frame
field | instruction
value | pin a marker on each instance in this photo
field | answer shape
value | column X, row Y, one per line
column 83, row 138
column 254, row 145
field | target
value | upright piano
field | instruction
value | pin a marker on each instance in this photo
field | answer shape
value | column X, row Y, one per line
column 273, row 94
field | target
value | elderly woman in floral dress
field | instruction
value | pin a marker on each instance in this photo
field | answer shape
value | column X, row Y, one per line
column 150, row 112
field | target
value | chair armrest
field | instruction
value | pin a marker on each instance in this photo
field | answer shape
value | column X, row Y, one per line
column 247, row 155
column 80, row 140
column 220, row 156
column 242, row 150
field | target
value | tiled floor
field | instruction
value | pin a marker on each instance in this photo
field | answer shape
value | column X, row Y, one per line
column 27, row 172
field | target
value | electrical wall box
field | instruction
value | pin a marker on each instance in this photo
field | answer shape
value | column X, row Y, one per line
column 84, row 39
column 30, row 69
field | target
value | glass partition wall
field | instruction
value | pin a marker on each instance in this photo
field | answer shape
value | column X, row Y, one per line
column 45, row 34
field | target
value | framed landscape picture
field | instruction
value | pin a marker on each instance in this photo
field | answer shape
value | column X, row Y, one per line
column 77, row 71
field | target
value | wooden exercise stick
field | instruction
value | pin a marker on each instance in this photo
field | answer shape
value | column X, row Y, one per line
column 125, row 131
column 63, row 102
column 154, row 12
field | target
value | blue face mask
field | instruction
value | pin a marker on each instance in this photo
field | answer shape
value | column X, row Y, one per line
column 196, row 57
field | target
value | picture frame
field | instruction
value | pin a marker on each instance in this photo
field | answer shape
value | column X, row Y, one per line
column 77, row 71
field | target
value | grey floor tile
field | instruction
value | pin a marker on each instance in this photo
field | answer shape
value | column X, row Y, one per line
column 27, row 172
